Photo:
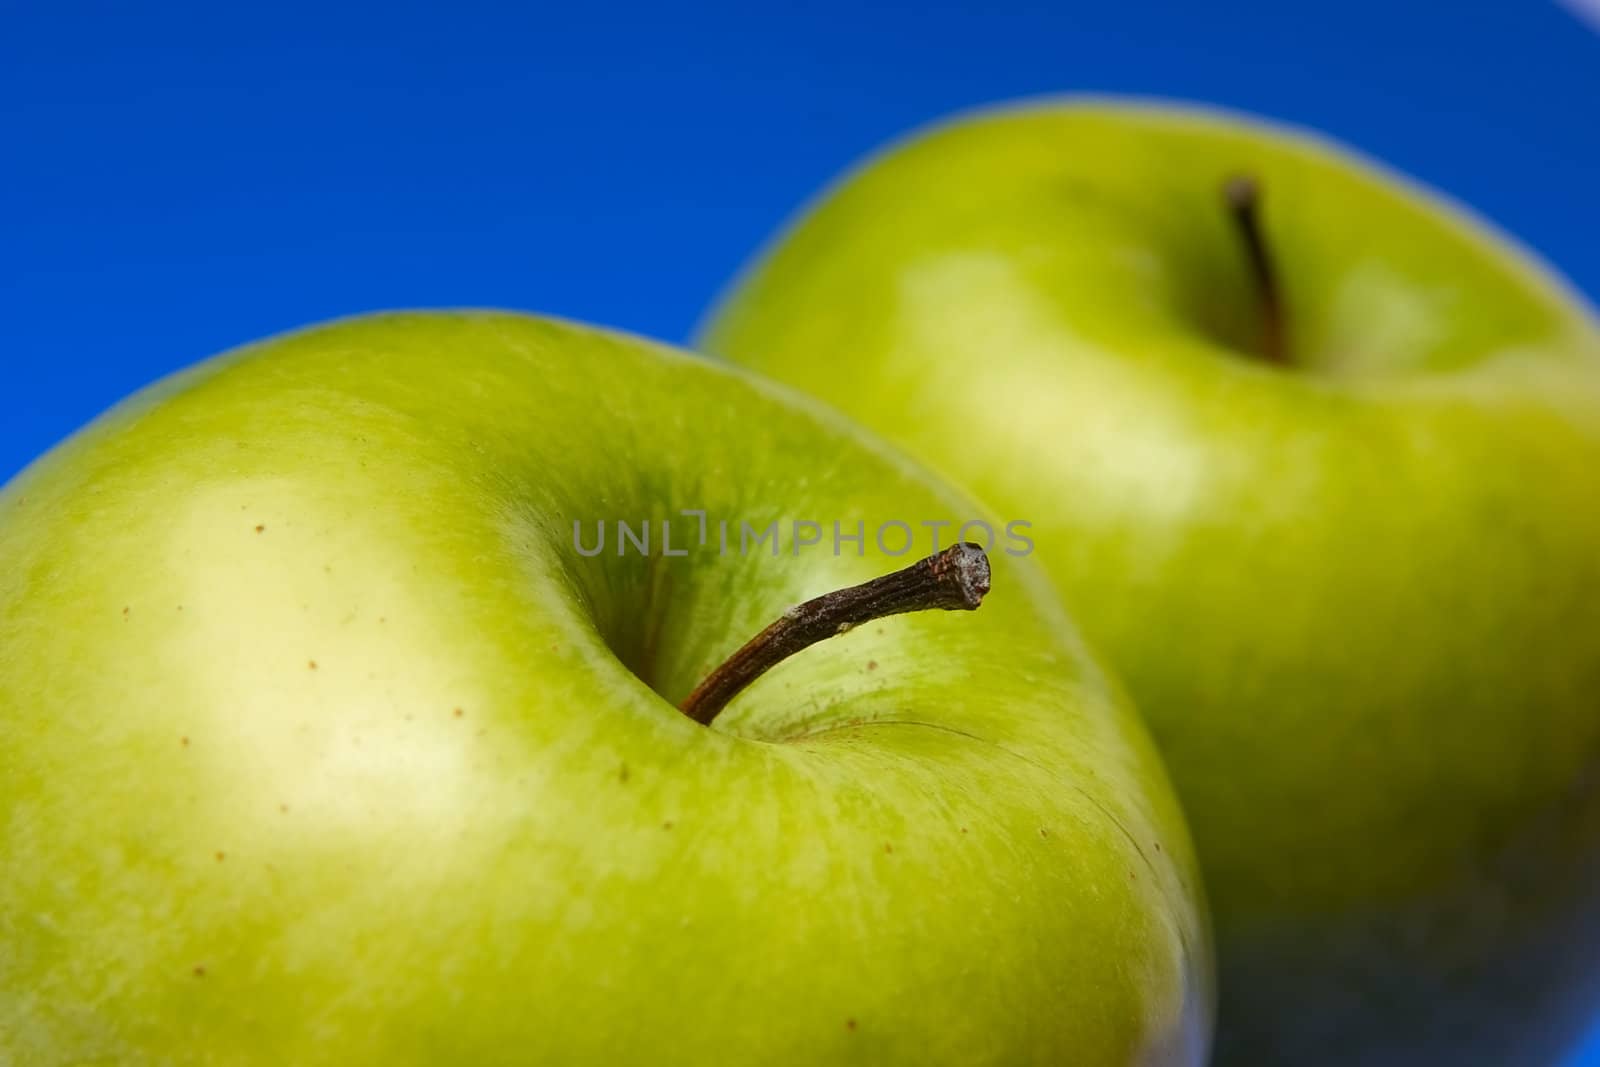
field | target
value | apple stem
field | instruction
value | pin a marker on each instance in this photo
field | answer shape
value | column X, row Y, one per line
column 1243, row 195
column 953, row 580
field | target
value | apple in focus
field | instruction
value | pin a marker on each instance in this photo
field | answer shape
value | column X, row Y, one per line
column 324, row 743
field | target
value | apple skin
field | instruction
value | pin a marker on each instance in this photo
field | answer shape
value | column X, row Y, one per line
column 324, row 746
column 1357, row 599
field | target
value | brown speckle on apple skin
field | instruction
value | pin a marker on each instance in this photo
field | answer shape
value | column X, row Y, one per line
column 221, row 856
column 623, row 774
column 887, row 848
column 311, row 664
column 850, row 1024
column 872, row 664
column 261, row 529
column 457, row 712
column 199, row 972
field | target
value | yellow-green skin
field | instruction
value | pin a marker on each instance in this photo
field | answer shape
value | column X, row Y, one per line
column 1358, row 599
column 322, row 745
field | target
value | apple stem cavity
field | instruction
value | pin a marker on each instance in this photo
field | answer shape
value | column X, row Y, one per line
column 1242, row 192
column 955, row 579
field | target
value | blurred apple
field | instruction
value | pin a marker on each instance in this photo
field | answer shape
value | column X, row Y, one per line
column 1315, row 458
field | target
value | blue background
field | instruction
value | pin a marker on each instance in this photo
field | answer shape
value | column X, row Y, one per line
column 177, row 179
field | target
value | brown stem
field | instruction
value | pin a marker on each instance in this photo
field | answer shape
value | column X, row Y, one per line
column 953, row 580
column 1243, row 195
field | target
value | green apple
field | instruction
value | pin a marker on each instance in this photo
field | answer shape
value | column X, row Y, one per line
column 329, row 740
column 1318, row 466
